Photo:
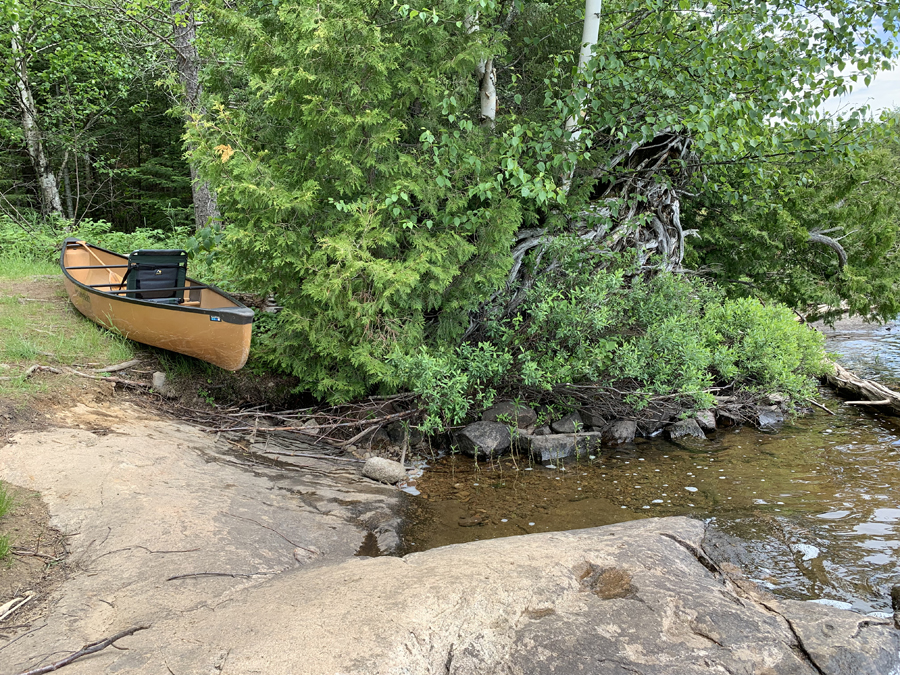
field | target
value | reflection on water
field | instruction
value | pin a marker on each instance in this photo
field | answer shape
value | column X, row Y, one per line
column 816, row 506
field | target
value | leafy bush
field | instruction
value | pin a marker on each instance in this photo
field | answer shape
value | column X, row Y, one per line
column 40, row 238
column 667, row 335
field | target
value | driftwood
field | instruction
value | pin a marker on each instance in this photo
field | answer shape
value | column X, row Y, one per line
column 871, row 393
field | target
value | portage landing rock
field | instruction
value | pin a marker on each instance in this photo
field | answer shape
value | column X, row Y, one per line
column 639, row 597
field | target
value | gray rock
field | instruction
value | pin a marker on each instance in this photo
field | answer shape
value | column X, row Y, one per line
column 706, row 420
column 161, row 386
column 632, row 598
column 384, row 470
column 568, row 424
column 515, row 415
column 685, row 428
column 769, row 416
column 558, row 446
column 398, row 431
column 542, row 431
column 592, row 419
column 728, row 418
column 620, row 431
column 484, row 439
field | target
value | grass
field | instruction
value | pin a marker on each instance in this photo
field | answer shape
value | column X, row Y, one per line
column 17, row 268
column 6, row 504
column 38, row 325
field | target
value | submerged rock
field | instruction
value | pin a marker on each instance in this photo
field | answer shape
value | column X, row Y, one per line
column 514, row 414
column 620, row 431
column 484, row 439
column 384, row 470
column 685, row 428
column 769, row 416
column 559, row 446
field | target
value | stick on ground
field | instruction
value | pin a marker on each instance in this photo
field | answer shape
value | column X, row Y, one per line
column 91, row 648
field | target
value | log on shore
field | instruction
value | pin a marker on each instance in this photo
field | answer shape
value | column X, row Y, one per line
column 868, row 392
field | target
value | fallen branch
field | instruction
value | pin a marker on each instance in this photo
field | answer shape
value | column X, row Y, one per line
column 819, row 405
column 310, row 455
column 115, row 380
column 14, row 605
column 866, row 391
column 91, row 648
column 308, row 431
column 233, row 575
column 116, row 368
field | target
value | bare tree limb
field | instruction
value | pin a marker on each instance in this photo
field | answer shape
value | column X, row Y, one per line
column 819, row 238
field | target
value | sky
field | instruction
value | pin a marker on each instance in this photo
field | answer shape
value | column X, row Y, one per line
column 883, row 93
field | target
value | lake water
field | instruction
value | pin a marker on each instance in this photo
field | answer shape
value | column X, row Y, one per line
column 816, row 506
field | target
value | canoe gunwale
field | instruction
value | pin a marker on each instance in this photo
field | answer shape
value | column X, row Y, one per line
column 240, row 314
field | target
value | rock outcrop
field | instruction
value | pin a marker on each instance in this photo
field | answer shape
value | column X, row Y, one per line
column 639, row 597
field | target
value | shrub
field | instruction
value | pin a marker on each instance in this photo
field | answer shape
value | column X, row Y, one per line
column 666, row 335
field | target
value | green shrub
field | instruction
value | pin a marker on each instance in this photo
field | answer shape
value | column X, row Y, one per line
column 667, row 335
column 40, row 239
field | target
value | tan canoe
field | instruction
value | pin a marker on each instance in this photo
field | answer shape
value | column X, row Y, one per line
column 202, row 321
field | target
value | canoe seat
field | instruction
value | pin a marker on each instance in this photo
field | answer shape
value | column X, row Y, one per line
column 156, row 274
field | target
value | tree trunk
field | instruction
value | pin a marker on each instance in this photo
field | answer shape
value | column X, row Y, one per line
column 67, row 186
column 187, row 64
column 488, row 87
column 590, row 33
column 50, row 200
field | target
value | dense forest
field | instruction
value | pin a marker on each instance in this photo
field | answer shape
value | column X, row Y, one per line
column 476, row 197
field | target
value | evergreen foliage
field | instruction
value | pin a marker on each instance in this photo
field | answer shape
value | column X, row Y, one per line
column 360, row 184
column 760, row 246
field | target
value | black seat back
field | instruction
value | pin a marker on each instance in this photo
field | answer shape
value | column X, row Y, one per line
column 155, row 274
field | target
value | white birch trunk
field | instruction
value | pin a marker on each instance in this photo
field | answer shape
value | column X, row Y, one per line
column 187, row 64
column 590, row 33
column 488, row 93
column 50, row 200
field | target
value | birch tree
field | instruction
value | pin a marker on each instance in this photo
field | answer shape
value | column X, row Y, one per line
column 51, row 203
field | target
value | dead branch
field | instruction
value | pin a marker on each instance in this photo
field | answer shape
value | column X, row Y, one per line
column 819, row 405
column 867, row 391
column 819, row 238
column 15, row 604
column 309, row 430
column 311, row 455
column 271, row 529
column 233, row 575
column 116, row 368
column 91, row 648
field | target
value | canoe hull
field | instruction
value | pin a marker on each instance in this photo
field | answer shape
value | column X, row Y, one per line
column 218, row 335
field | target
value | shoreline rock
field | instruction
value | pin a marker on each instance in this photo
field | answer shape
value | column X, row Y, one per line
column 638, row 597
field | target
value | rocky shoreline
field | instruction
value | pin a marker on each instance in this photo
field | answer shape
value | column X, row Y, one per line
column 510, row 427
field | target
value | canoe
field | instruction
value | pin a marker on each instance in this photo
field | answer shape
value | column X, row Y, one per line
column 177, row 313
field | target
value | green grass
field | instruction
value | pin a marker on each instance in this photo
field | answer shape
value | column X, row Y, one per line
column 6, row 504
column 38, row 325
column 18, row 268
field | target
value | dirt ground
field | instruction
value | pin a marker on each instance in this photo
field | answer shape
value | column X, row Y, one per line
column 37, row 564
